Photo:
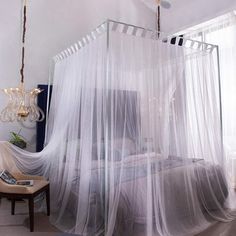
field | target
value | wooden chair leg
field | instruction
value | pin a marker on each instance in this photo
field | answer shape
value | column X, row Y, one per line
column 13, row 206
column 31, row 213
column 48, row 200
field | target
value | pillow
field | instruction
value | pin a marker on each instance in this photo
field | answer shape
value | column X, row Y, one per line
column 96, row 148
column 126, row 144
column 117, row 149
column 122, row 148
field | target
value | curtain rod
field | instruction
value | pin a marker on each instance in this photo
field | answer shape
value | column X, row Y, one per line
column 135, row 31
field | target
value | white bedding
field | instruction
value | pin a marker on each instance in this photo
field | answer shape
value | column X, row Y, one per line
column 177, row 176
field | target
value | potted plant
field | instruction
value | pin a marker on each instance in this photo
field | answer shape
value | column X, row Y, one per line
column 18, row 140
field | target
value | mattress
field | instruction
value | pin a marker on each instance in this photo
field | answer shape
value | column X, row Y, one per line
column 173, row 176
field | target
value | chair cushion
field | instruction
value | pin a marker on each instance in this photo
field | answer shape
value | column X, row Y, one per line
column 18, row 189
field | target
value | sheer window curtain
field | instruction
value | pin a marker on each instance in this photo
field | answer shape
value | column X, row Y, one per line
column 222, row 32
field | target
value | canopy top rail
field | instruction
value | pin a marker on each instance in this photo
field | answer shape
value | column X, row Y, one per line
column 137, row 31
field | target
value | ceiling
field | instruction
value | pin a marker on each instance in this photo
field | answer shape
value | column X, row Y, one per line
column 187, row 13
column 151, row 4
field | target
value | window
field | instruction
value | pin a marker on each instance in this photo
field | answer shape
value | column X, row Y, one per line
column 222, row 32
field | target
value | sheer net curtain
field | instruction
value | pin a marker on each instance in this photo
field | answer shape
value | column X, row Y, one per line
column 134, row 140
column 162, row 187
column 223, row 33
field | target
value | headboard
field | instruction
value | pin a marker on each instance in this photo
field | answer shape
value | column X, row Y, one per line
column 123, row 113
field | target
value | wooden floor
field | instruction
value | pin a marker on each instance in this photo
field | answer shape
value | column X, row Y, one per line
column 221, row 229
column 18, row 224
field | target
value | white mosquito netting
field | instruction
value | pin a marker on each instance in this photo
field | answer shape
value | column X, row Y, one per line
column 222, row 32
column 134, row 137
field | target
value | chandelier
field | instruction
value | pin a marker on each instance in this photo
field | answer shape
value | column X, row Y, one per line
column 22, row 104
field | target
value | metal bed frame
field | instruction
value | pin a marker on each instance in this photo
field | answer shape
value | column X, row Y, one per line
column 136, row 31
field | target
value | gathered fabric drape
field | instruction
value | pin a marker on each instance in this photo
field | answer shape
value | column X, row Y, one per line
column 222, row 32
column 135, row 143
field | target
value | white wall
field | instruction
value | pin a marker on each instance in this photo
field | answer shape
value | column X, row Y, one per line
column 52, row 26
column 186, row 13
column 55, row 24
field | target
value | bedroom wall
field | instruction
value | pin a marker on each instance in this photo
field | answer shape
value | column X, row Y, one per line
column 52, row 26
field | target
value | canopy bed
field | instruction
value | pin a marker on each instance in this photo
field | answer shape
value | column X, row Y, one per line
column 134, row 135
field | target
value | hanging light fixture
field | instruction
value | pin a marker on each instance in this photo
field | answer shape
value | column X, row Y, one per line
column 22, row 104
column 161, row 3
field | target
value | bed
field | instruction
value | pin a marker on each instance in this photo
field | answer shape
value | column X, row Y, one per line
column 171, row 173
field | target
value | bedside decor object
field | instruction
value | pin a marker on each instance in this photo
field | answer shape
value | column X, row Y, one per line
column 10, row 179
column 18, row 140
column 22, row 103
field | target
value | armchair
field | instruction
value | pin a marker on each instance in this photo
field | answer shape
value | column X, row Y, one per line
column 16, row 192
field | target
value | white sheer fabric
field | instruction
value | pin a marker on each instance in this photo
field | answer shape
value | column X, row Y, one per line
column 134, row 140
column 165, row 189
column 222, row 32
column 225, row 37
